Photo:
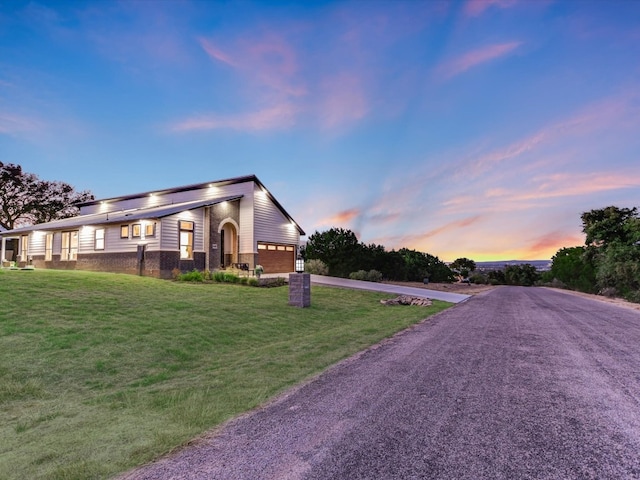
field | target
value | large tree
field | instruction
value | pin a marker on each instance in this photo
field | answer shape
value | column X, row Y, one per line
column 26, row 200
column 610, row 224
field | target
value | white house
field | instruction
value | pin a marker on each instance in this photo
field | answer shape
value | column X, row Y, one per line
column 206, row 226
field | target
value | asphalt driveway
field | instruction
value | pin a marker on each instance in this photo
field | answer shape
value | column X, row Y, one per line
column 388, row 288
column 517, row 383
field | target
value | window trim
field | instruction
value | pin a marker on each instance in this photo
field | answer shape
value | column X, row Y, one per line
column 136, row 230
column 187, row 227
column 150, row 229
column 48, row 247
column 99, row 242
column 70, row 252
column 124, row 231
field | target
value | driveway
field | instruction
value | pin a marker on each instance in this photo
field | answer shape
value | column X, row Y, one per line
column 517, row 383
column 387, row 288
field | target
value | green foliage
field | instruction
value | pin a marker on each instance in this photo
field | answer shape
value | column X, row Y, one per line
column 610, row 225
column 192, row 276
column 618, row 267
column 316, row 267
column 337, row 248
column 572, row 267
column 421, row 265
column 463, row 266
column 370, row 276
column 525, row 275
column 25, row 199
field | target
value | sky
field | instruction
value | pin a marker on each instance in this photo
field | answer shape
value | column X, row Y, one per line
column 478, row 129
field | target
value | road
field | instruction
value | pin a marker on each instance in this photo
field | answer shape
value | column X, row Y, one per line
column 517, row 383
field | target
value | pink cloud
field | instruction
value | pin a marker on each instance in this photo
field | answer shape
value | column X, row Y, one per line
column 342, row 100
column 215, row 53
column 474, row 58
column 474, row 8
column 273, row 118
column 341, row 219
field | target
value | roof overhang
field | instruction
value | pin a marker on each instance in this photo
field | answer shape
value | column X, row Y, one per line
column 122, row 216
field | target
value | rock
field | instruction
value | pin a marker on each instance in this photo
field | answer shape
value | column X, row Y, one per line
column 407, row 300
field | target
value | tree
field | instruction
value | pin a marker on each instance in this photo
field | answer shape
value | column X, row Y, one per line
column 423, row 265
column 611, row 224
column 463, row 266
column 338, row 248
column 613, row 239
column 574, row 269
column 525, row 274
column 25, row 199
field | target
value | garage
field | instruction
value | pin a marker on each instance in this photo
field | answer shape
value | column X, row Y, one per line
column 276, row 258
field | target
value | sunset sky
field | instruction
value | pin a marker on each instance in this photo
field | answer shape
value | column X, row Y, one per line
column 480, row 129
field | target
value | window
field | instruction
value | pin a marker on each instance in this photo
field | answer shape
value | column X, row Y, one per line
column 99, row 240
column 124, row 231
column 69, row 246
column 48, row 247
column 149, row 229
column 136, row 230
column 262, row 246
column 186, row 240
column 24, row 247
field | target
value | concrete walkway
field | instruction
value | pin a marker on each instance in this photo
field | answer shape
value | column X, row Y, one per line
column 383, row 287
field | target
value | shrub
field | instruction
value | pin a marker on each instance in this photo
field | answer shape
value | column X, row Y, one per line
column 192, row 276
column 252, row 282
column 316, row 267
column 231, row 278
column 370, row 276
column 218, row 276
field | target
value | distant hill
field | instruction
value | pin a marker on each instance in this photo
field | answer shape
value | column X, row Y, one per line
column 541, row 265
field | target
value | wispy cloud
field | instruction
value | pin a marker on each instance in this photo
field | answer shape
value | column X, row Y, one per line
column 273, row 118
column 475, row 58
column 474, row 8
column 12, row 124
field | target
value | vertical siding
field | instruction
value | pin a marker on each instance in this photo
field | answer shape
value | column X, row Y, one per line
column 270, row 224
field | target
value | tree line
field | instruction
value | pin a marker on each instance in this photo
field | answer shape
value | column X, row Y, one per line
column 609, row 261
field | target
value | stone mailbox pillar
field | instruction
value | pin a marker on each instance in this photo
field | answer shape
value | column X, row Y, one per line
column 300, row 289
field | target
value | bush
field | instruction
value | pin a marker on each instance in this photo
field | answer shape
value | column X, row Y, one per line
column 316, row 267
column 218, row 276
column 252, row 282
column 192, row 276
column 370, row 276
column 231, row 278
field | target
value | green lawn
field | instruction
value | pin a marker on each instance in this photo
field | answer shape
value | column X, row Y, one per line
column 103, row 372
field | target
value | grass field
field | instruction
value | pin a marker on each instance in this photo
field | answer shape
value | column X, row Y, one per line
column 103, row 372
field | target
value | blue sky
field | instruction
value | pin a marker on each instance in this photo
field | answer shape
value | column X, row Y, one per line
column 475, row 128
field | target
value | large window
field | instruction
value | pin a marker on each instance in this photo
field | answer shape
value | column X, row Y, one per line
column 48, row 247
column 186, row 240
column 69, row 246
column 99, row 240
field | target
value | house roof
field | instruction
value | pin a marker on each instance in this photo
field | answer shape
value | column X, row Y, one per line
column 197, row 186
column 124, row 215
column 151, row 212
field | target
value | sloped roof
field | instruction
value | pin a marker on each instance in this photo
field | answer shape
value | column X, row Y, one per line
column 124, row 215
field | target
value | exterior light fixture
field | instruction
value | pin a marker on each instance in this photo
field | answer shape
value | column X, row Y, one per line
column 299, row 264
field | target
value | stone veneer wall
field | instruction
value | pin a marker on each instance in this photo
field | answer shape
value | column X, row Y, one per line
column 219, row 212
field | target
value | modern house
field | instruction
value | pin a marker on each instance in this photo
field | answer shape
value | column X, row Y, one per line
column 206, row 226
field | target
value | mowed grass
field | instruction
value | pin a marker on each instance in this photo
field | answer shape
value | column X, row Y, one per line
column 103, row 372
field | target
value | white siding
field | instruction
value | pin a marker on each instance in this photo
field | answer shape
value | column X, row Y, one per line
column 112, row 241
column 246, row 233
column 270, row 224
column 169, row 237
